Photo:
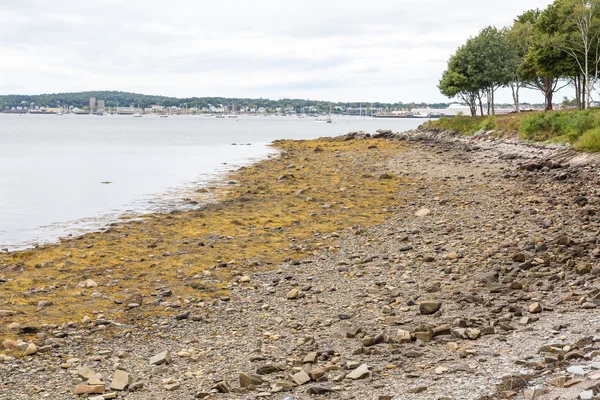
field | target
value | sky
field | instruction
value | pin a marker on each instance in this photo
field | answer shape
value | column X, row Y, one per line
column 385, row 50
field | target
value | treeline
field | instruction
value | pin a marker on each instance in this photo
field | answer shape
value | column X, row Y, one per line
column 123, row 99
column 544, row 50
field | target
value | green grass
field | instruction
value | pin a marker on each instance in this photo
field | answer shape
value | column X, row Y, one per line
column 578, row 128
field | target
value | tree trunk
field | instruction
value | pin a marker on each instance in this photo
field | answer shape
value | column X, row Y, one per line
column 493, row 106
column 577, row 81
column 480, row 106
column 514, row 86
column 549, row 94
column 587, row 80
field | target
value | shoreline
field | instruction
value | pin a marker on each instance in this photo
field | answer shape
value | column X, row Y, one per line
column 389, row 268
column 181, row 197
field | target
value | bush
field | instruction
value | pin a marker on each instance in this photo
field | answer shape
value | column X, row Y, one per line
column 589, row 141
column 567, row 125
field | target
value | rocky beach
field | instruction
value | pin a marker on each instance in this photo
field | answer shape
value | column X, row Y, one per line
column 415, row 265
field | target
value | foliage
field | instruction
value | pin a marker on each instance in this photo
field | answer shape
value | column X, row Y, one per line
column 589, row 141
column 580, row 128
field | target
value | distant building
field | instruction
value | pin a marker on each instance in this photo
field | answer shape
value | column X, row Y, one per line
column 92, row 103
column 100, row 104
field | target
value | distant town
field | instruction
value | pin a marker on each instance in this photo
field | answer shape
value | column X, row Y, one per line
column 101, row 107
column 133, row 104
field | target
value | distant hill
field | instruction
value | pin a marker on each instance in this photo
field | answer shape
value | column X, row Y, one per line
column 111, row 98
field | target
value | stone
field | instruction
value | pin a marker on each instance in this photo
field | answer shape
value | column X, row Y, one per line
column 293, row 294
column 164, row 357
column 120, row 380
column 576, row 370
column 88, row 283
column 174, row 386
column 535, row 308
column 7, row 313
column 534, row 393
column 586, row 395
column 86, row 373
column 301, row 378
column 223, row 387
column 310, row 358
column 319, row 389
column 518, row 258
column 402, row 336
column 429, row 307
column 89, row 389
column 267, row 369
column 249, row 380
column 359, row 373
column 317, row 373
column 30, row 350
column 134, row 298
column 423, row 212
column 417, row 389
column 441, row 370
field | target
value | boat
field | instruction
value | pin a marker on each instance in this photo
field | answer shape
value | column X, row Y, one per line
column 220, row 116
column 163, row 115
column 137, row 115
column 232, row 116
column 59, row 113
column 326, row 119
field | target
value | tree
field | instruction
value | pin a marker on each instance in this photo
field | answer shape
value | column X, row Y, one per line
column 457, row 82
column 544, row 64
column 493, row 62
column 578, row 35
column 519, row 38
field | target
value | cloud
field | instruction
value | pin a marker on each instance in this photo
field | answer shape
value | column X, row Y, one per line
column 390, row 50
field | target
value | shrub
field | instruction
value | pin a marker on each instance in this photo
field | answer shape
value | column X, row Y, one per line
column 589, row 141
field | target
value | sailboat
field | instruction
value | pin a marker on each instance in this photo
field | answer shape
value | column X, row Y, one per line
column 137, row 113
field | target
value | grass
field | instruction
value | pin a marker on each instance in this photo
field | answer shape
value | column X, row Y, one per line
column 577, row 128
column 286, row 207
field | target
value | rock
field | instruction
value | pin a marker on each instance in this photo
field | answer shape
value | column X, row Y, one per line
column 14, row 327
column 293, row 294
column 418, row 389
column 586, row 395
column 534, row 393
column 582, row 269
column 472, row 333
column 134, row 298
column 518, row 258
column 423, row 212
column 359, row 373
column 317, row 373
column 429, row 307
column 88, row 283
column 120, row 381
column 89, row 389
column 223, row 387
column 249, row 380
column 30, row 350
column 441, row 370
column 576, row 370
column 267, row 369
column 535, row 308
column 319, row 389
column 301, row 378
column 164, row 357
column 174, row 386
column 86, row 373
column 310, row 358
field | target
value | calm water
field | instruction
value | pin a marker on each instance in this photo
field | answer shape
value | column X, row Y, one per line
column 68, row 174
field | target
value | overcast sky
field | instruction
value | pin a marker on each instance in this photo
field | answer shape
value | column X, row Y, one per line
column 383, row 50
